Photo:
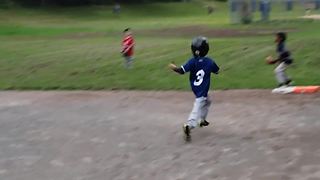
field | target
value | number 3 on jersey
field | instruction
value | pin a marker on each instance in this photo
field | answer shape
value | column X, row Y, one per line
column 200, row 74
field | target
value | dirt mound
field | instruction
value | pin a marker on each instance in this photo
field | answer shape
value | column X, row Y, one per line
column 208, row 31
column 184, row 31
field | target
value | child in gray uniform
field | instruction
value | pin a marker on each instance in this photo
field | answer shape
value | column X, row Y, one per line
column 284, row 60
column 200, row 67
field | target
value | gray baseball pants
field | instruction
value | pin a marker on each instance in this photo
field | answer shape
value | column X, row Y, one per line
column 280, row 72
column 128, row 61
column 199, row 111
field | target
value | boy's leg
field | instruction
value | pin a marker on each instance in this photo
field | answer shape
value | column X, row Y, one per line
column 280, row 73
column 200, row 109
column 204, row 112
column 192, row 120
column 204, row 108
column 125, row 64
column 195, row 113
column 128, row 61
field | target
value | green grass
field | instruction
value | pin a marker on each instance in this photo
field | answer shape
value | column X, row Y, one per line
column 78, row 48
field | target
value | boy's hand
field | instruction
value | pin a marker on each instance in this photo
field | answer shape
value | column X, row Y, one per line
column 270, row 60
column 172, row 66
column 123, row 53
column 176, row 69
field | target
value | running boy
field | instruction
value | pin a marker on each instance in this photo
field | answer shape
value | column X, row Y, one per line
column 283, row 60
column 127, row 47
column 200, row 68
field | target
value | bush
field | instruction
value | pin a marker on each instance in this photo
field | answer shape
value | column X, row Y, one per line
column 4, row 4
column 79, row 2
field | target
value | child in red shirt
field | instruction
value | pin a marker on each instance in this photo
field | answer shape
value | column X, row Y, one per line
column 127, row 47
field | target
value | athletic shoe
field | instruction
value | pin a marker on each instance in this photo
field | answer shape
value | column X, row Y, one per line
column 186, row 130
column 204, row 123
column 289, row 82
column 282, row 85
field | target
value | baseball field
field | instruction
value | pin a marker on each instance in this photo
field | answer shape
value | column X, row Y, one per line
column 126, row 124
column 79, row 48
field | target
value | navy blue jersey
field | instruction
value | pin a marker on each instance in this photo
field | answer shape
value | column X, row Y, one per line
column 200, row 71
column 281, row 48
column 283, row 54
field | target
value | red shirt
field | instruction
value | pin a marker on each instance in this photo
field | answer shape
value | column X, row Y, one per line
column 127, row 45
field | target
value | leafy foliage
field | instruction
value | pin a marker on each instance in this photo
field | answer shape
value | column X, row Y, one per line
column 80, row 2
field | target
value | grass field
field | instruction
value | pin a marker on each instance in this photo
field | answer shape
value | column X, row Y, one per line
column 78, row 48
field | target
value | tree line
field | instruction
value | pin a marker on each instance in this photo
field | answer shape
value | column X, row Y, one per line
column 75, row 2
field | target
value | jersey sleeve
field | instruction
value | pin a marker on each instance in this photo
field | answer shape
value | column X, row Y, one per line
column 124, row 45
column 215, row 68
column 187, row 67
column 130, row 42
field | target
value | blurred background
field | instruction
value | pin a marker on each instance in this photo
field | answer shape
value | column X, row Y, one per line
column 76, row 44
column 136, row 135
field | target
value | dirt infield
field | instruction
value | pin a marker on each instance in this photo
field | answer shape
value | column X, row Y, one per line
column 121, row 135
column 183, row 31
column 209, row 32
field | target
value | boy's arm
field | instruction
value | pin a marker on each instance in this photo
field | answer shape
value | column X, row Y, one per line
column 176, row 69
column 283, row 54
column 215, row 68
column 271, row 60
column 123, row 46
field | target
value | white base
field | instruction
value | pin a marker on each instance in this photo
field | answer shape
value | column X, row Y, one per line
column 283, row 90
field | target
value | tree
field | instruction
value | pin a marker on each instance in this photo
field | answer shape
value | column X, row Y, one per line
column 3, row 3
column 80, row 2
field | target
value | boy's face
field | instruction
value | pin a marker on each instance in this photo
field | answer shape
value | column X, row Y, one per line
column 278, row 39
column 127, row 33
